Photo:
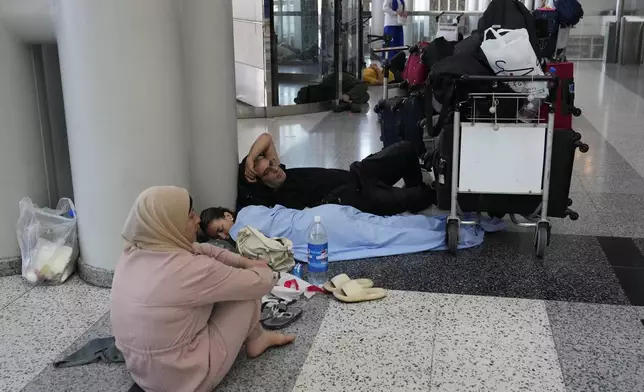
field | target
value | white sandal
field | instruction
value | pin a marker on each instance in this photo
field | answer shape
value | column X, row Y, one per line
column 352, row 291
column 336, row 283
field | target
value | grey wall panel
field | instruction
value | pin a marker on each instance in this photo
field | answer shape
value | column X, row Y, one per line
column 249, row 82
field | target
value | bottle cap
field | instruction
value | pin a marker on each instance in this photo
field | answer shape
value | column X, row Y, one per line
column 317, row 219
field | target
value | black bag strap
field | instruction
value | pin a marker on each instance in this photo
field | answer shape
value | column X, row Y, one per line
column 447, row 104
column 428, row 105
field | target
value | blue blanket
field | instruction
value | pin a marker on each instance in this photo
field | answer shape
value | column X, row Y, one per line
column 356, row 235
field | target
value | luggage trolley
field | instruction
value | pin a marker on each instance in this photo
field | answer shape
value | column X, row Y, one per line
column 495, row 155
column 447, row 25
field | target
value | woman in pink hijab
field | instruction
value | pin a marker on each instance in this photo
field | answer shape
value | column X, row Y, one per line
column 181, row 311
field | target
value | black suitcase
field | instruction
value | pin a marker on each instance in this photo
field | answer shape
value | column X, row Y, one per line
column 547, row 25
column 565, row 143
column 400, row 120
column 390, row 116
column 413, row 112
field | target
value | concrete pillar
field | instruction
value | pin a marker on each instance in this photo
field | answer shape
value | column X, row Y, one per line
column 22, row 165
column 408, row 29
column 208, row 49
column 30, row 20
column 472, row 21
column 124, row 102
column 377, row 17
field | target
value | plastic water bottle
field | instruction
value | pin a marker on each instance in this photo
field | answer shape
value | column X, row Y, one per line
column 318, row 253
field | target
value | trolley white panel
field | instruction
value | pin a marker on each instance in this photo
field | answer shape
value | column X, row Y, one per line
column 508, row 160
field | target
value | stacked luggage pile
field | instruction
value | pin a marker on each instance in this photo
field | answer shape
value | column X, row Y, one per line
column 491, row 117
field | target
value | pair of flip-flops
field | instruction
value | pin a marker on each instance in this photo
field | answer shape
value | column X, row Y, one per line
column 277, row 315
column 346, row 289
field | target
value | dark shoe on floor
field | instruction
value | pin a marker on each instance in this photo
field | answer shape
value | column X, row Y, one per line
column 342, row 106
column 136, row 388
column 355, row 108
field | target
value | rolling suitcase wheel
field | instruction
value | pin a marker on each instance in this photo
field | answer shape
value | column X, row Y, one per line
column 573, row 215
column 452, row 236
column 541, row 239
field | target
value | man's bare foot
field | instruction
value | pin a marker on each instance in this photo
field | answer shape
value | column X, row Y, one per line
column 268, row 339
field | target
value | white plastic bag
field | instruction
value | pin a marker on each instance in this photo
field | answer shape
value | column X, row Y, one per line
column 510, row 53
column 48, row 241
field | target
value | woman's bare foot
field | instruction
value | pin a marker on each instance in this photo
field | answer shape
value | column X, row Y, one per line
column 268, row 339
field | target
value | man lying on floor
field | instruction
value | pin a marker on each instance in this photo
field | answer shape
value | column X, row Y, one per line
column 352, row 234
column 368, row 185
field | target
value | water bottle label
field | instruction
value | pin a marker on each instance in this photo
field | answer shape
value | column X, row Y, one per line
column 317, row 256
column 297, row 270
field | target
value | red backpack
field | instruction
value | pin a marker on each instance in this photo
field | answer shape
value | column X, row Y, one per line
column 415, row 71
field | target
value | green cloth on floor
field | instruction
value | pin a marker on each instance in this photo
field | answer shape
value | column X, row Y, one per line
column 102, row 349
column 325, row 90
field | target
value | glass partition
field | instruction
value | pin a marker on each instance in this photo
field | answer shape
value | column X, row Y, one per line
column 307, row 46
column 302, row 46
column 352, row 54
column 587, row 39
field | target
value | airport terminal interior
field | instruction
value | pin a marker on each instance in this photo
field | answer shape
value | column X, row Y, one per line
column 489, row 318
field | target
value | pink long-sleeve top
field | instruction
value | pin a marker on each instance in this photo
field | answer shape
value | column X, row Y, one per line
column 160, row 306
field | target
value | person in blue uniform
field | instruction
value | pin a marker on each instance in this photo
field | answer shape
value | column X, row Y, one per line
column 394, row 12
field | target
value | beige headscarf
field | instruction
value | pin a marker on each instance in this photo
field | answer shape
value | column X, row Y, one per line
column 157, row 220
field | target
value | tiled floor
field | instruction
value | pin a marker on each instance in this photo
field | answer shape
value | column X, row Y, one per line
column 493, row 318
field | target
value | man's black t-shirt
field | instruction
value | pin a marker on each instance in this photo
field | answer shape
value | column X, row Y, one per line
column 303, row 187
column 307, row 187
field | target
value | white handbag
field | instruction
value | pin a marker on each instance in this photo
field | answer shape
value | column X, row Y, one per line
column 510, row 53
column 278, row 252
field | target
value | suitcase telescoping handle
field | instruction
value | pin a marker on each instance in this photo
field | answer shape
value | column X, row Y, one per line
column 458, row 15
column 374, row 56
column 384, row 61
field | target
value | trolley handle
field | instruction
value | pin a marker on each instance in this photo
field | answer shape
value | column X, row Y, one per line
column 374, row 56
column 503, row 78
column 385, row 38
column 390, row 49
column 458, row 15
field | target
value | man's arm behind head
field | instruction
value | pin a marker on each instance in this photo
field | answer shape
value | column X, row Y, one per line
column 262, row 147
column 265, row 147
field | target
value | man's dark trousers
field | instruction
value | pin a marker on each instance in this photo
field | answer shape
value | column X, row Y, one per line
column 377, row 175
